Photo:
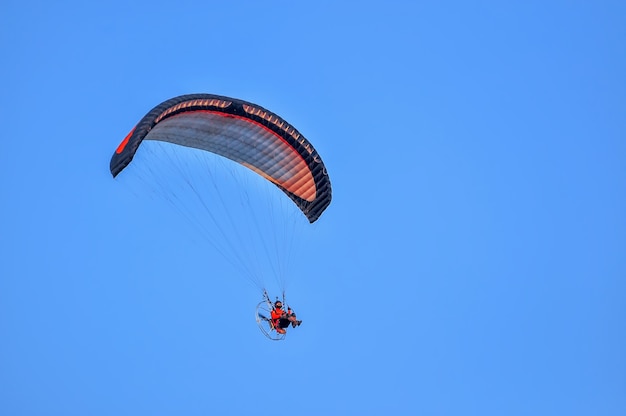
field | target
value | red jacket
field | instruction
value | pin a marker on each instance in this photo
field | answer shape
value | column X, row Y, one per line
column 277, row 313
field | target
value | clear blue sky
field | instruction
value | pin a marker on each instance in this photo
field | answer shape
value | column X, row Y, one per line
column 473, row 260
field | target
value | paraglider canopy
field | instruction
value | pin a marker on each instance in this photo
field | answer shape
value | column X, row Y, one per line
column 243, row 132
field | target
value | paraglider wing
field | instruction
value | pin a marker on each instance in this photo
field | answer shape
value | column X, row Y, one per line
column 243, row 132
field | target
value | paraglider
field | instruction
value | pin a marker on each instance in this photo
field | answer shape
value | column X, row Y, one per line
column 273, row 319
column 242, row 132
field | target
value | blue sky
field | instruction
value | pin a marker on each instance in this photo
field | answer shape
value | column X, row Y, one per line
column 471, row 262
